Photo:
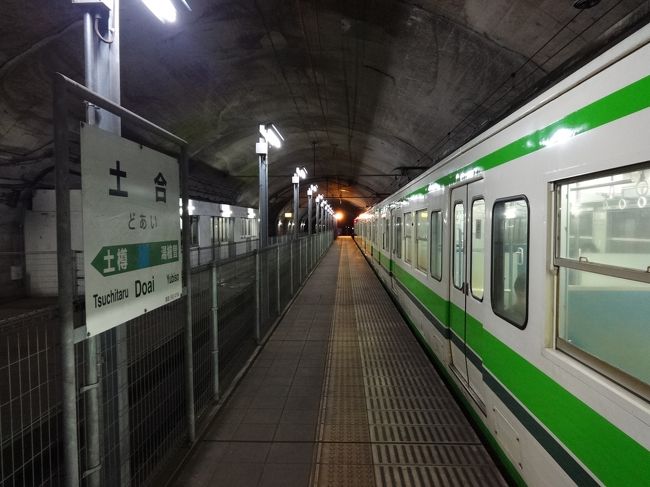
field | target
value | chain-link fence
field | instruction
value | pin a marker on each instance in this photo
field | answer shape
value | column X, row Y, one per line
column 132, row 423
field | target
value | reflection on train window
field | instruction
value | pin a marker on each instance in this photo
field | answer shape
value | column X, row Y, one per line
column 398, row 237
column 477, row 278
column 408, row 229
column 422, row 240
column 603, row 253
column 606, row 220
column 606, row 318
column 459, row 245
column 436, row 245
column 510, row 260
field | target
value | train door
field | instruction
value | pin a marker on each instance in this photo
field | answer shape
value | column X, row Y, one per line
column 389, row 248
column 466, row 283
column 396, row 251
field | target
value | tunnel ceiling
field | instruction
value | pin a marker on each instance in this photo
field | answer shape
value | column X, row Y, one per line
column 367, row 93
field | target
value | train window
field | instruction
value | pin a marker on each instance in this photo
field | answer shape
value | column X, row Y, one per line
column 509, row 288
column 603, row 254
column 459, row 246
column 436, row 245
column 408, row 229
column 248, row 227
column 221, row 230
column 398, row 237
column 422, row 240
column 606, row 220
column 385, row 235
column 194, row 230
column 477, row 277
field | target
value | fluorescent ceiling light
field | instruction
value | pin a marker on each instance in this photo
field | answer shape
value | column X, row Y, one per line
column 273, row 139
column 272, row 135
column 163, row 9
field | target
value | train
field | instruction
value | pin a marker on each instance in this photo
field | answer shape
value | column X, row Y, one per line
column 217, row 231
column 522, row 262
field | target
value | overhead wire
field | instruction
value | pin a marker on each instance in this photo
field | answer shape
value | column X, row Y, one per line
column 282, row 72
column 482, row 107
column 313, row 70
column 552, row 56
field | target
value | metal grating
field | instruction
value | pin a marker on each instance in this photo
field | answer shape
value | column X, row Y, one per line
column 384, row 402
column 447, row 476
column 430, row 454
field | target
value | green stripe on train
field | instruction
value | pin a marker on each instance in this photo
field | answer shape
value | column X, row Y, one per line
column 626, row 101
column 613, row 456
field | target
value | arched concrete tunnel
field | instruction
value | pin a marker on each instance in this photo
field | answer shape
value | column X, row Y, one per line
column 367, row 94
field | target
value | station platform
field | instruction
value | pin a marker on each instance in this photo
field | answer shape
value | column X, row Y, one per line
column 342, row 394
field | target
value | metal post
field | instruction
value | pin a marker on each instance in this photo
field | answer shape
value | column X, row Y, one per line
column 258, row 307
column 296, row 196
column 309, row 229
column 279, row 301
column 214, row 329
column 299, row 261
column 320, row 227
column 187, row 281
column 91, row 390
column 309, row 211
column 65, row 269
column 291, row 262
column 102, row 76
column 263, row 200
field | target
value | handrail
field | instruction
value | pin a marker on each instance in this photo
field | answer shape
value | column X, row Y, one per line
column 88, row 95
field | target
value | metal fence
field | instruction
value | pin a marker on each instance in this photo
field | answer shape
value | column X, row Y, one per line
column 139, row 392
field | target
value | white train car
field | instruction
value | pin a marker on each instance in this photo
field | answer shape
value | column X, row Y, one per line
column 523, row 262
column 232, row 230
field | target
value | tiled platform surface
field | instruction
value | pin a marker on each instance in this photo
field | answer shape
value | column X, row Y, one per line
column 341, row 395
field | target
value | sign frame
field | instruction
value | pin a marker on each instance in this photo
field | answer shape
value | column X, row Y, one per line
column 132, row 261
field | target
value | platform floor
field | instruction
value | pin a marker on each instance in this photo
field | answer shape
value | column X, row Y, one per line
column 341, row 395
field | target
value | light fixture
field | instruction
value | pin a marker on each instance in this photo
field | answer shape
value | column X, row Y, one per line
column 190, row 206
column 288, row 215
column 163, row 9
column 272, row 135
column 585, row 4
column 339, row 215
column 301, row 172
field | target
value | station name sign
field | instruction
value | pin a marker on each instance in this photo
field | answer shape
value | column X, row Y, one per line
column 131, row 229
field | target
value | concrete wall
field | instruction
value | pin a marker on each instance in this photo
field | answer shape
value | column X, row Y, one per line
column 12, row 283
column 40, row 242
